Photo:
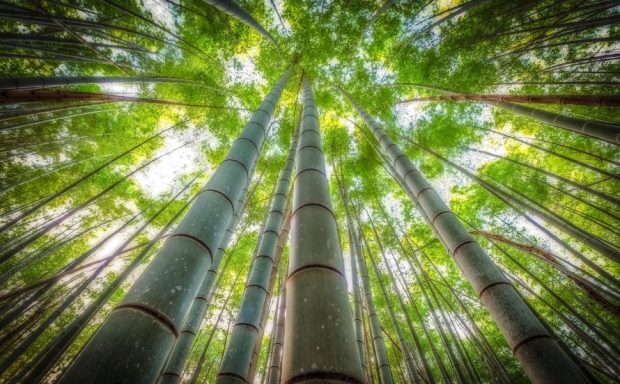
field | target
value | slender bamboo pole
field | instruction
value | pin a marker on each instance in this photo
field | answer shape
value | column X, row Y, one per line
column 402, row 342
column 553, row 260
column 196, row 372
column 282, row 240
column 274, row 329
column 275, row 363
column 600, row 130
column 357, row 297
column 383, row 364
column 585, row 188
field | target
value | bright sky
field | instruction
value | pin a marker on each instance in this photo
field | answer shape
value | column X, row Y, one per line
column 161, row 177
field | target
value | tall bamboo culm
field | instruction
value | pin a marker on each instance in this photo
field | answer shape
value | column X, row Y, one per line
column 319, row 336
column 132, row 345
column 171, row 374
column 236, row 363
column 541, row 357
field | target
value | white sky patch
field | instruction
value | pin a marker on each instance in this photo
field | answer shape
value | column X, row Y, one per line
column 61, row 70
column 35, row 160
column 241, row 70
column 234, row 102
column 407, row 114
column 443, row 184
column 125, row 89
column 382, row 74
column 160, row 13
column 329, row 169
column 161, row 177
column 348, row 124
column 110, row 246
column 451, row 324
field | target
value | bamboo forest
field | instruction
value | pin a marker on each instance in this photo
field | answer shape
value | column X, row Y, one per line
column 309, row 191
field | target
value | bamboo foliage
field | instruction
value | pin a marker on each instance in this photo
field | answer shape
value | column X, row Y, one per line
column 412, row 371
column 58, row 345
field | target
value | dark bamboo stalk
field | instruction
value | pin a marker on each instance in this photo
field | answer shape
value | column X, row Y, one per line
column 11, row 97
column 275, row 361
column 233, row 9
column 22, row 83
column 601, row 130
column 599, row 101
